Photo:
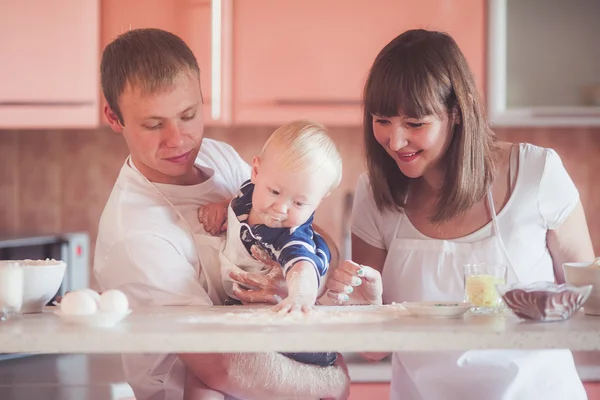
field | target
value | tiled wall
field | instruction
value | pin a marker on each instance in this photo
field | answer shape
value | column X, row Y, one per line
column 57, row 181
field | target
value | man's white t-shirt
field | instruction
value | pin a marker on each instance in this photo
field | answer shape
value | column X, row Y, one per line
column 147, row 251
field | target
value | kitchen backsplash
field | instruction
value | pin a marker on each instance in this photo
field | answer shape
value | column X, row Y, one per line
column 58, row 181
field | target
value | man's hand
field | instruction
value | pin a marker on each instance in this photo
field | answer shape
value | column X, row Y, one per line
column 270, row 287
column 261, row 255
column 214, row 217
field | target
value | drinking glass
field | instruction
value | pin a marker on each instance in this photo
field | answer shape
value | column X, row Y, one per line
column 11, row 289
column 480, row 287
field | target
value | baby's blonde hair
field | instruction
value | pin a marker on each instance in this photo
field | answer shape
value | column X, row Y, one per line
column 304, row 145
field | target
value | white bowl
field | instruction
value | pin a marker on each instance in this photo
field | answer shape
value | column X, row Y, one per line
column 97, row 320
column 41, row 281
column 581, row 274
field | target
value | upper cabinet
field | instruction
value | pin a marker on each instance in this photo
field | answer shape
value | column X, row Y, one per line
column 261, row 61
column 49, row 64
column 199, row 23
column 310, row 58
column 544, row 62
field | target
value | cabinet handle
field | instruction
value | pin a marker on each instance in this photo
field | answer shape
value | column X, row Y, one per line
column 221, row 59
column 216, row 36
column 30, row 103
column 318, row 102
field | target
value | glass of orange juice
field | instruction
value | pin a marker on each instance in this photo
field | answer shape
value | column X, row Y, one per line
column 480, row 287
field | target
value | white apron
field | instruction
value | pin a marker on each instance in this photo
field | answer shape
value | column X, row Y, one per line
column 431, row 269
column 234, row 256
column 208, row 249
column 207, row 252
column 172, row 374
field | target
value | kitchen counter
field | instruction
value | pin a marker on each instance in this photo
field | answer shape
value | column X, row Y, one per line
column 237, row 329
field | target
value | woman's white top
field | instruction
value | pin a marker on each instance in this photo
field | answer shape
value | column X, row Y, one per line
column 419, row 268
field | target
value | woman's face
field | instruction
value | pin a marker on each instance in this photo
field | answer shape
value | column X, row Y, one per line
column 416, row 145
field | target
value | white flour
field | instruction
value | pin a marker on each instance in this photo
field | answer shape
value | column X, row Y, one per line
column 244, row 315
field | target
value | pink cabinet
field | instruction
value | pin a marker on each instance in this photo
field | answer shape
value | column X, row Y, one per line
column 309, row 58
column 270, row 61
column 49, row 68
column 189, row 19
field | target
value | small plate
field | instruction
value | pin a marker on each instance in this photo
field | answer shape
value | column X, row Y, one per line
column 437, row 309
column 98, row 320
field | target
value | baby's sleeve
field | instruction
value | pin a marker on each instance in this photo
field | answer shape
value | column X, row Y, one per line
column 366, row 218
column 304, row 244
column 557, row 196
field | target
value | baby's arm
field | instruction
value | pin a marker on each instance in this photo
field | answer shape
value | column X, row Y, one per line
column 303, row 285
column 194, row 389
column 305, row 260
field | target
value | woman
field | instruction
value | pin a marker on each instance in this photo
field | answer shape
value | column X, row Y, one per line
column 441, row 191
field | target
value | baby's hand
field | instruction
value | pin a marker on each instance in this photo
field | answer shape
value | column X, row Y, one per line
column 302, row 286
column 292, row 304
column 214, row 217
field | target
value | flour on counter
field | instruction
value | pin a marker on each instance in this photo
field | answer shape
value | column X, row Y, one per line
column 321, row 315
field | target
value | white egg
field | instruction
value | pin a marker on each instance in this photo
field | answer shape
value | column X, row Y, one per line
column 95, row 295
column 78, row 303
column 113, row 301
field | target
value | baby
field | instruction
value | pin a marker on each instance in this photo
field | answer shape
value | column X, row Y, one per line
column 272, row 217
column 273, row 212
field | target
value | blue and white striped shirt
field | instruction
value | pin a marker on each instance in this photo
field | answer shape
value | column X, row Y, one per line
column 287, row 246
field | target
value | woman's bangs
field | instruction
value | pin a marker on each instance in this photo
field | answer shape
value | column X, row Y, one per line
column 401, row 88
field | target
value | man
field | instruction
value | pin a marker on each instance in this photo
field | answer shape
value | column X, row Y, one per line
column 150, row 244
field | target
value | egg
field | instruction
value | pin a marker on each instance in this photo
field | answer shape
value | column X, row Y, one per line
column 78, row 303
column 113, row 301
column 95, row 295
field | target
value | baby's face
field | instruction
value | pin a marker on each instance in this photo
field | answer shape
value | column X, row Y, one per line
column 283, row 198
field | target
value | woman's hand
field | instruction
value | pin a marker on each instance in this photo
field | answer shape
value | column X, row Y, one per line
column 214, row 217
column 354, row 284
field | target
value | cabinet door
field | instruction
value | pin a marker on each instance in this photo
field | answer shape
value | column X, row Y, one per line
column 49, row 67
column 310, row 58
column 544, row 63
column 189, row 19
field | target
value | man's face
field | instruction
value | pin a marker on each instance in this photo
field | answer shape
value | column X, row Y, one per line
column 163, row 130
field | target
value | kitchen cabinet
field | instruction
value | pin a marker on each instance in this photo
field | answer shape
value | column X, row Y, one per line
column 194, row 22
column 265, row 62
column 49, row 69
column 310, row 58
column 544, row 63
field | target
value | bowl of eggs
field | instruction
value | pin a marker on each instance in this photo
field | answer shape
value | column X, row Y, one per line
column 88, row 307
column 581, row 274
